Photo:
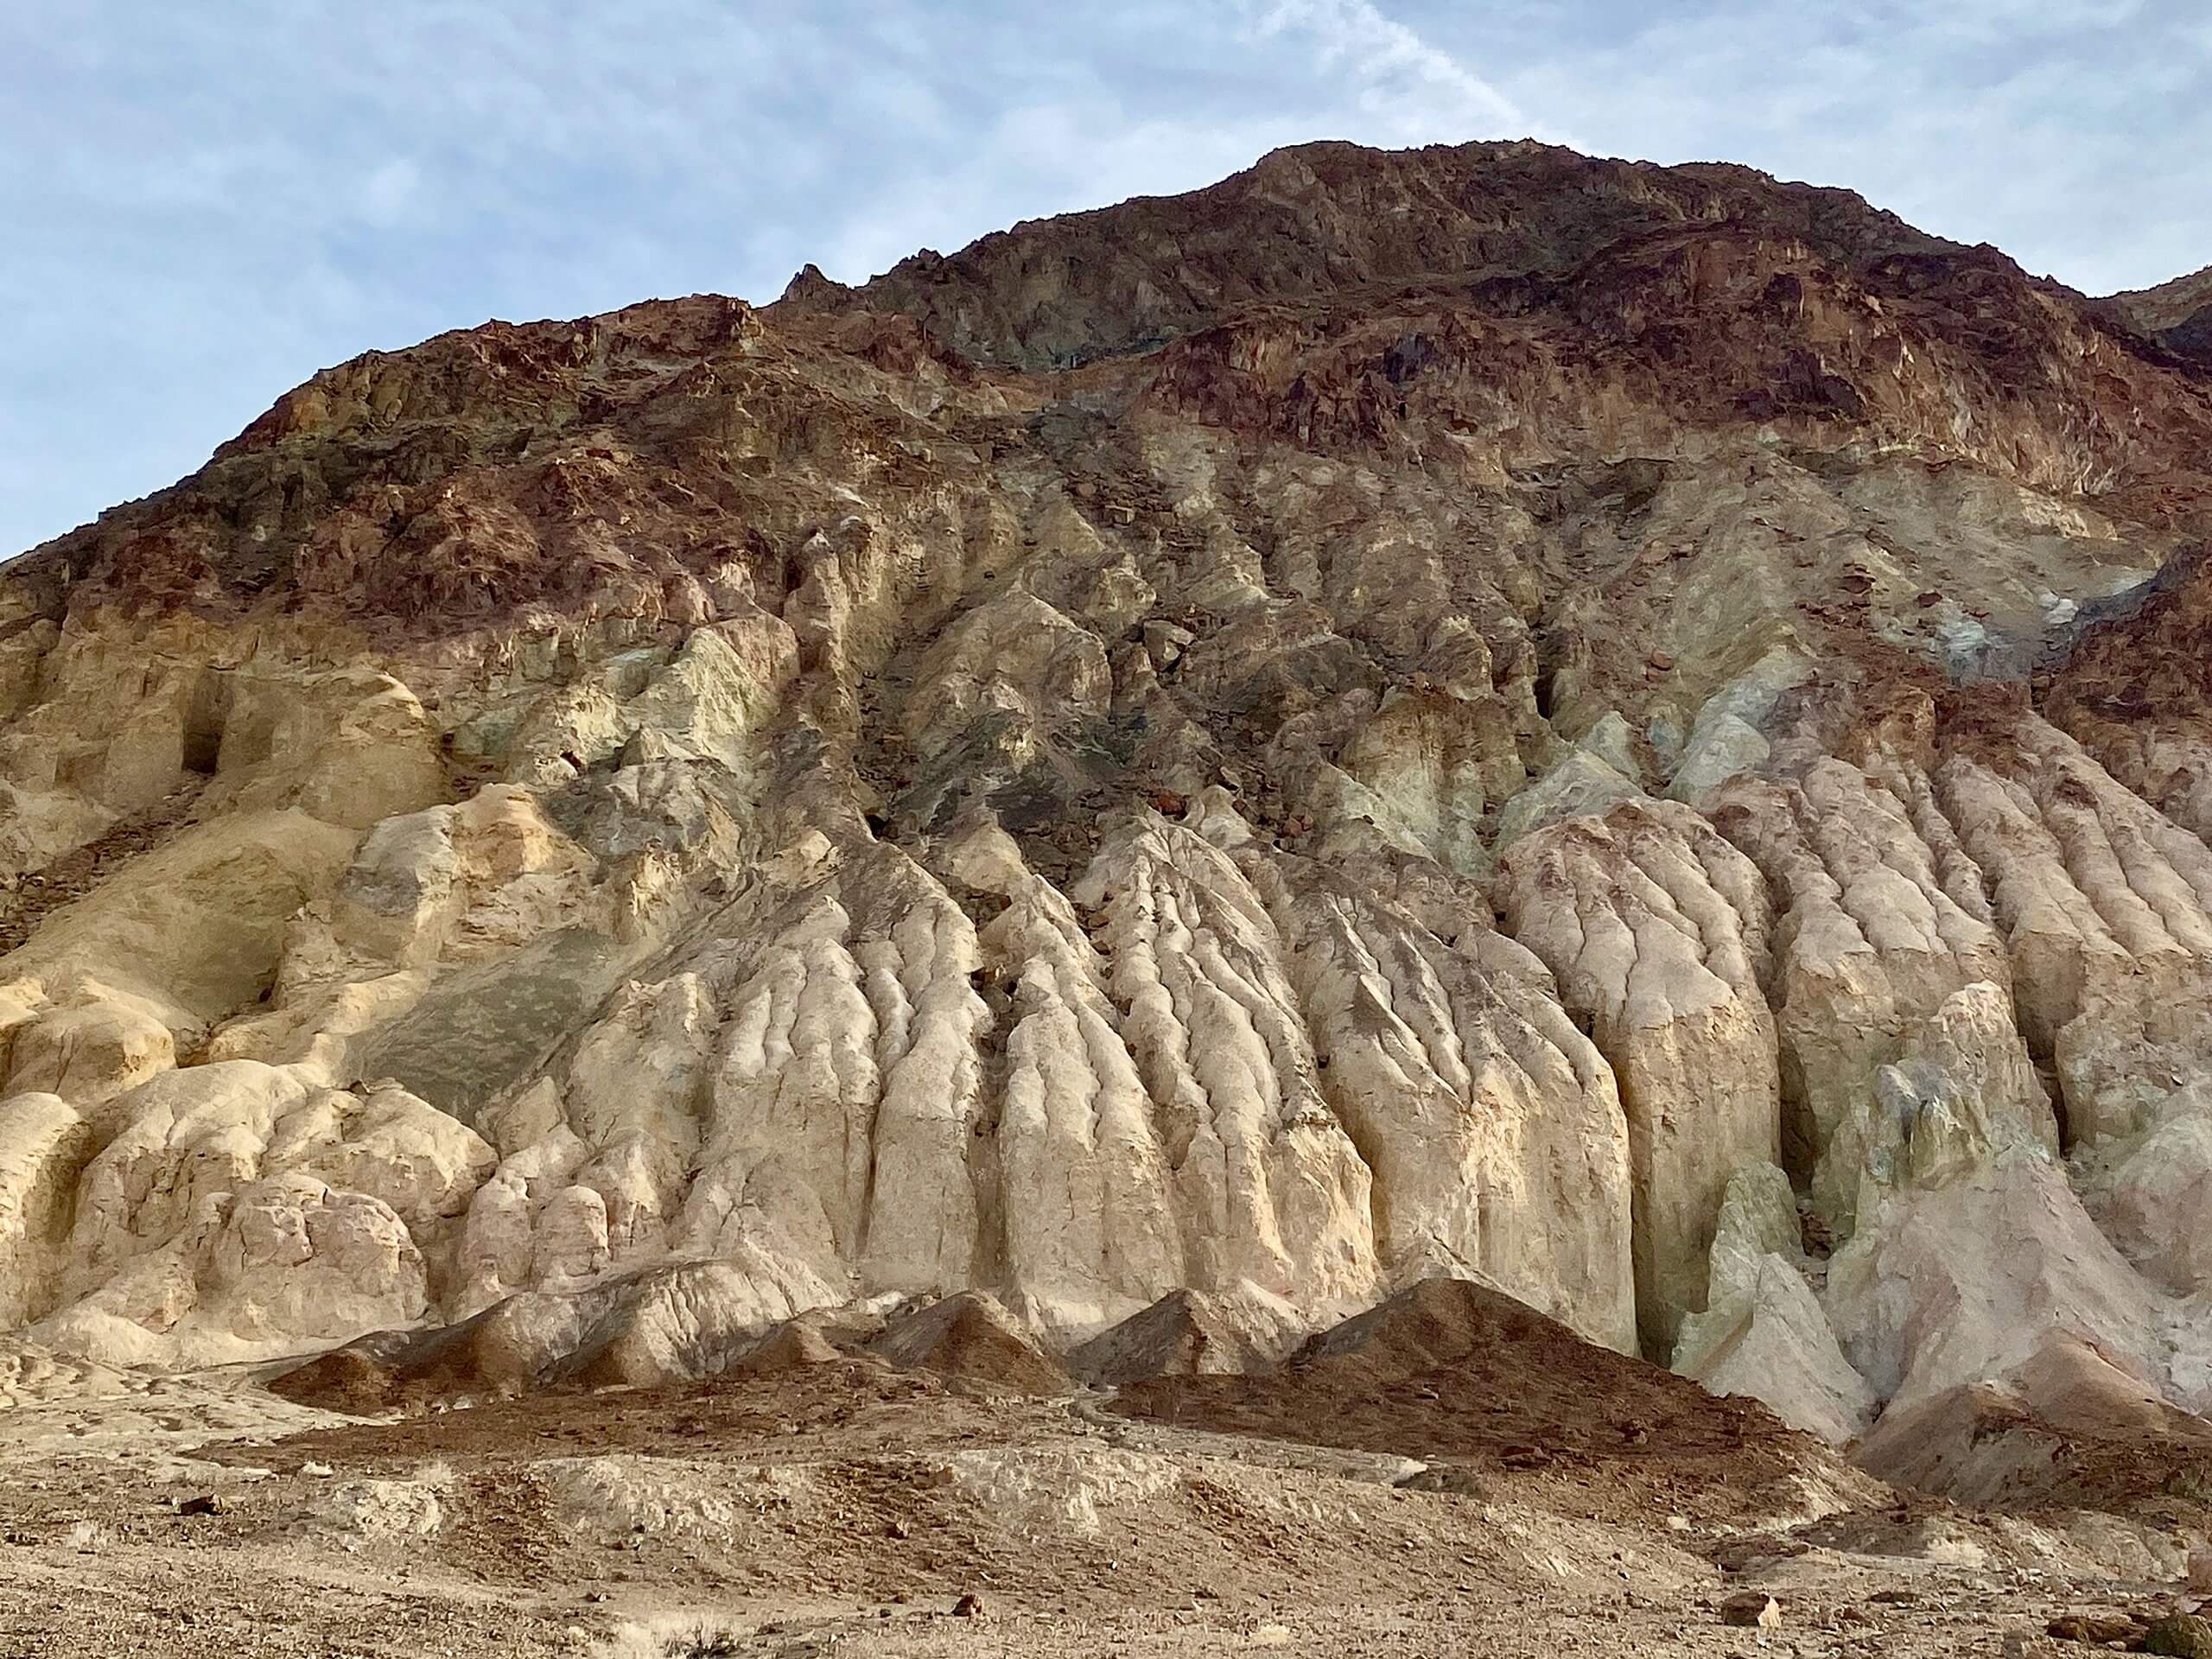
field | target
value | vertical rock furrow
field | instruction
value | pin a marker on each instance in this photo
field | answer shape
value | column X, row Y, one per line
column 921, row 1215
column 1492, row 1128
column 1652, row 949
column 1869, row 947
column 2103, row 901
column 1270, row 1188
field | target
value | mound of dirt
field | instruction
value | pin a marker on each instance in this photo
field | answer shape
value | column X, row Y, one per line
column 397, row 1370
column 665, row 1325
column 1451, row 1371
column 971, row 1336
column 793, row 1345
column 1186, row 1333
column 2068, row 1430
column 624, row 1336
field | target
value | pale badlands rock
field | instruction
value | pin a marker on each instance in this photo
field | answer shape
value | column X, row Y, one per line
column 1878, row 928
column 2147, row 1192
column 1762, row 1332
column 574, row 845
column 1583, row 782
column 2104, row 900
column 1967, row 1278
column 1656, row 929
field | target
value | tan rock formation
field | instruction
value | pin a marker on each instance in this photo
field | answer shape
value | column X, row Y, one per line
column 1656, row 929
column 1762, row 1332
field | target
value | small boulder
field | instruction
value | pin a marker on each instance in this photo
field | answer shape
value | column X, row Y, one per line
column 1165, row 643
column 1444, row 1478
column 1752, row 1609
column 2099, row 1629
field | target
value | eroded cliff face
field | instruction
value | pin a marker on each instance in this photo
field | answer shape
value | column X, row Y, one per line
column 1633, row 733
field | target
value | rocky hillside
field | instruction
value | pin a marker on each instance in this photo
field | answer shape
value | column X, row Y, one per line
column 2178, row 314
column 1638, row 734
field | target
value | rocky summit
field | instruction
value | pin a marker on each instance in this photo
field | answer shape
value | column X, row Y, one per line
column 1209, row 865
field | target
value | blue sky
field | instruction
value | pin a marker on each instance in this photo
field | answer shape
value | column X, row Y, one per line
column 204, row 202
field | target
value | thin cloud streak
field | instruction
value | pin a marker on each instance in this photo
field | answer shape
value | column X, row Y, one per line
column 1403, row 79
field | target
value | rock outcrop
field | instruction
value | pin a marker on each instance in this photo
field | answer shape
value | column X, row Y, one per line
column 1636, row 737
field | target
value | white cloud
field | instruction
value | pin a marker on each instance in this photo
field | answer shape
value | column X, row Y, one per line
column 387, row 192
column 1400, row 77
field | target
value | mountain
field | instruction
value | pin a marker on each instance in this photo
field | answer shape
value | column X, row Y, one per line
column 2177, row 314
column 1636, row 734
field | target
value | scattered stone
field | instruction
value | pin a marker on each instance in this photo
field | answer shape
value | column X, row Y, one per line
column 1752, row 1609
column 1444, row 1478
column 2098, row 1628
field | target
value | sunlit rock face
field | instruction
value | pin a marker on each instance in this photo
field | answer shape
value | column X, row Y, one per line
column 1636, row 734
